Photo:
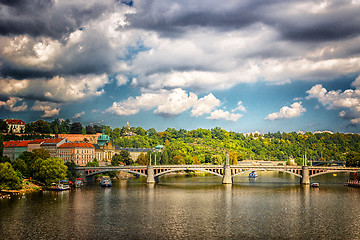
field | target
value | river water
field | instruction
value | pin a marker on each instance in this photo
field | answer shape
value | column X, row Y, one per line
column 274, row 206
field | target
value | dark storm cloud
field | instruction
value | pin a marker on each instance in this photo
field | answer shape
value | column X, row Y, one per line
column 338, row 20
column 44, row 18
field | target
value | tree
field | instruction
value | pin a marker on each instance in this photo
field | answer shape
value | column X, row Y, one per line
column 49, row 170
column 125, row 156
column 76, row 128
column 71, row 172
column 94, row 163
column 3, row 126
column 41, row 153
column 20, row 165
column 142, row 159
column 8, row 177
column 97, row 128
column 353, row 159
column 216, row 159
column 1, row 144
column 116, row 160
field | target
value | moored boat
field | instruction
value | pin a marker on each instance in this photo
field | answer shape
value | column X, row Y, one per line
column 105, row 181
column 79, row 182
column 253, row 174
column 315, row 185
column 61, row 185
column 354, row 180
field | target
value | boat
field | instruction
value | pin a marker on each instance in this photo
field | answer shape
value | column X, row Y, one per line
column 354, row 180
column 253, row 174
column 105, row 181
column 79, row 182
column 61, row 185
column 315, row 184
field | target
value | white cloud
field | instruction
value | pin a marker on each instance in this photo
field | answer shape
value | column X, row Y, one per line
column 205, row 105
column 239, row 107
column 349, row 100
column 50, row 109
column 12, row 104
column 220, row 114
column 167, row 103
column 78, row 115
column 294, row 110
column 121, row 80
column 63, row 89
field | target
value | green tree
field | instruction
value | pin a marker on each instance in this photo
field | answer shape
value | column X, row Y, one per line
column 1, row 144
column 116, row 160
column 76, row 128
column 142, row 159
column 9, row 179
column 353, row 159
column 3, row 126
column 71, row 172
column 20, row 165
column 94, row 163
column 49, row 170
column 125, row 156
column 216, row 159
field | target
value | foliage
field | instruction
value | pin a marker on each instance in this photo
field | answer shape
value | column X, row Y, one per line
column 20, row 165
column 71, row 173
column 49, row 170
column 142, row 159
column 353, row 159
column 116, row 160
column 9, row 179
column 76, row 128
column 94, row 163
column 3, row 126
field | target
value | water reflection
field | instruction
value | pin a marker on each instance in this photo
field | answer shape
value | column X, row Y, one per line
column 275, row 206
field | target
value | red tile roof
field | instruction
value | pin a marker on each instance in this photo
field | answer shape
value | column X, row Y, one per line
column 76, row 145
column 16, row 143
column 15, row 121
column 52, row 140
column 37, row 141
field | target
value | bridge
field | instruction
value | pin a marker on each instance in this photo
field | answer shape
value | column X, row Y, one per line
column 226, row 172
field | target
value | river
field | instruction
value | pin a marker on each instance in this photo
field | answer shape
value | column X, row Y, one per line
column 274, row 206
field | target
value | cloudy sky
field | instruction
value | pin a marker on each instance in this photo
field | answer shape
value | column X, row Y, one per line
column 243, row 65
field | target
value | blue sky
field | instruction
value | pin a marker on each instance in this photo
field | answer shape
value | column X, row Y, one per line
column 243, row 66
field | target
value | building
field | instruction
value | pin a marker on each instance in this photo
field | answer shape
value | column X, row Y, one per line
column 79, row 153
column 35, row 144
column 13, row 149
column 15, row 125
column 91, row 138
column 52, row 144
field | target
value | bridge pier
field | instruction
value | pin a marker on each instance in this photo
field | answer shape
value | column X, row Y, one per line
column 305, row 180
column 150, row 175
column 227, row 175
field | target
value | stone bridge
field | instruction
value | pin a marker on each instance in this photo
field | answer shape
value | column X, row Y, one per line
column 226, row 172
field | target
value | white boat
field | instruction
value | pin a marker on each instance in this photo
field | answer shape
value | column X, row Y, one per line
column 253, row 174
column 60, row 185
column 315, row 185
column 105, row 182
column 79, row 182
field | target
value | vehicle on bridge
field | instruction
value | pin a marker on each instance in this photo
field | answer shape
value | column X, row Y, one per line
column 105, row 181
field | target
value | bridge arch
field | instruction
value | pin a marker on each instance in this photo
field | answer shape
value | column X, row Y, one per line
column 257, row 169
column 187, row 168
column 330, row 171
column 116, row 170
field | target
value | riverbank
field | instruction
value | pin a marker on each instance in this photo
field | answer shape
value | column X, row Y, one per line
column 27, row 186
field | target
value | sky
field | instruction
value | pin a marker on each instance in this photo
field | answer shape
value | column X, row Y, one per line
column 244, row 66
